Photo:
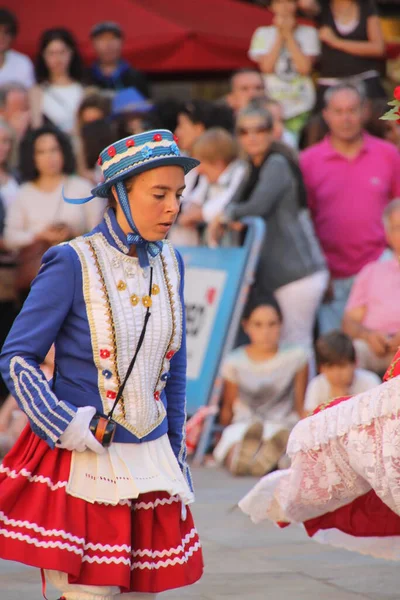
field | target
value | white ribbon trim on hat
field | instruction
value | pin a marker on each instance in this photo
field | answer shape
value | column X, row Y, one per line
column 133, row 150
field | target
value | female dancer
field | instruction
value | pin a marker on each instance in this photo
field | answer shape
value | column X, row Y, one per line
column 103, row 517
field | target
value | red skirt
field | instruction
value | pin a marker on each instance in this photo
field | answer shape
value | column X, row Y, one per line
column 141, row 545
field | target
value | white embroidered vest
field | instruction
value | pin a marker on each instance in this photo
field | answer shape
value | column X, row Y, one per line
column 113, row 287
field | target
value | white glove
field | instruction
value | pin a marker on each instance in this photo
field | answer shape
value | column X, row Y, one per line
column 78, row 436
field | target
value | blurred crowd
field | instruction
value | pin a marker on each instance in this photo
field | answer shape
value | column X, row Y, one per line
column 297, row 141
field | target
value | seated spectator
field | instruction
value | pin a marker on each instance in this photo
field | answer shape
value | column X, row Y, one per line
column 281, row 133
column 291, row 264
column 56, row 98
column 372, row 314
column 14, row 108
column 245, row 85
column 352, row 44
column 263, row 394
column 350, row 177
column 14, row 66
column 38, row 217
column 110, row 71
column 285, row 52
column 338, row 375
column 221, row 172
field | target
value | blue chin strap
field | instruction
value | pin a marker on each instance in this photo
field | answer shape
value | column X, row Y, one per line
column 143, row 247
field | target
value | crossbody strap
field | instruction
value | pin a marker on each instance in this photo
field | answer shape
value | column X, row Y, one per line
column 139, row 345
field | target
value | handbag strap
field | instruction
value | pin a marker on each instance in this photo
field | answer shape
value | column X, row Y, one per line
column 139, row 345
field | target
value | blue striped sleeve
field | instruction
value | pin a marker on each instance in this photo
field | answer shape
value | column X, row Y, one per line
column 31, row 337
column 176, row 393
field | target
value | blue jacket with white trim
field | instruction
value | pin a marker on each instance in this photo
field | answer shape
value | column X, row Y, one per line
column 55, row 312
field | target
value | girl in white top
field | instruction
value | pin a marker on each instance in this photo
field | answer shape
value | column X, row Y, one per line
column 285, row 52
column 263, row 395
column 59, row 92
column 38, row 212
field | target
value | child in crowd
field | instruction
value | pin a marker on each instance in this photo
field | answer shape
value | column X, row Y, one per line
column 221, row 173
column 285, row 52
column 336, row 360
column 263, row 394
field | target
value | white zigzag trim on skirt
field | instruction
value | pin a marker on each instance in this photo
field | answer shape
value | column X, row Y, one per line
column 170, row 562
column 48, row 482
column 106, row 559
column 170, row 552
column 45, row 532
column 158, row 502
column 33, row 478
column 107, row 547
column 63, row 534
column 39, row 544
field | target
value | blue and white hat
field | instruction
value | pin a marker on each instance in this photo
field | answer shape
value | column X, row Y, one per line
column 137, row 153
column 130, row 156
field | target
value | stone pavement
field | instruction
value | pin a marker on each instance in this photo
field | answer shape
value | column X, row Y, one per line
column 248, row 562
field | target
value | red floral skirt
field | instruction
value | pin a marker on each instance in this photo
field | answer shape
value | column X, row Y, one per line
column 141, row 545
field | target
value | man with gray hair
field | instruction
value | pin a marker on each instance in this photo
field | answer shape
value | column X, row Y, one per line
column 14, row 107
column 350, row 177
column 372, row 315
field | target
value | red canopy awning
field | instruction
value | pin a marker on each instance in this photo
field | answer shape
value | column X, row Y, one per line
column 160, row 35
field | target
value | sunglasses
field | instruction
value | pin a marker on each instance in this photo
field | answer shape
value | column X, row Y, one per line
column 261, row 129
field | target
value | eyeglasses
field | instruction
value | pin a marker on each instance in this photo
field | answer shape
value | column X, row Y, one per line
column 242, row 131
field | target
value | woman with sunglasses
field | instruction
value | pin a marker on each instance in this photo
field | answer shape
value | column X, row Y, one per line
column 291, row 263
column 105, row 449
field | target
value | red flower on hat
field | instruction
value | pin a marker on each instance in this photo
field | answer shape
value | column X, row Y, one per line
column 396, row 93
column 111, row 395
column 99, row 161
column 157, row 137
column 130, row 143
column 111, row 151
column 176, row 139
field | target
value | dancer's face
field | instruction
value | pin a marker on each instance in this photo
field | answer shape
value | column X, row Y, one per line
column 154, row 199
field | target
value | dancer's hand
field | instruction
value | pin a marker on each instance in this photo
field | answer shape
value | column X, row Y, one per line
column 78, row 436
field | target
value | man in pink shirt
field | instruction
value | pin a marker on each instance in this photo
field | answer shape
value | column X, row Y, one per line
column 350, row 177
column 372, row 314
